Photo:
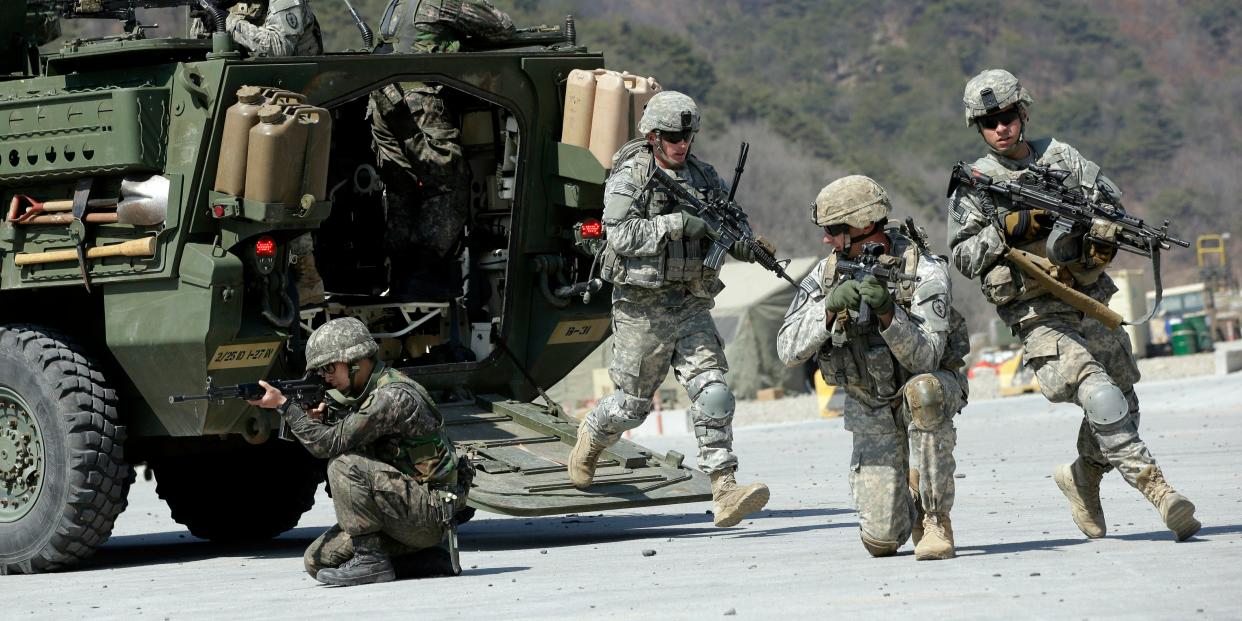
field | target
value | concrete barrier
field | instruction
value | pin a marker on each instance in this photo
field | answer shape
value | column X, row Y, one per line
column 1228, row 357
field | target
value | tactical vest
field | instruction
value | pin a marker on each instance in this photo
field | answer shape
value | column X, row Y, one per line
column 682, row 259
column 1010, row 284
column 427, row 458
column 859, row 359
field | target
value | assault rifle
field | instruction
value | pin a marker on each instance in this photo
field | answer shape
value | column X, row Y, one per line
column 1099, row 219
column 868, row 264
column 728, row 222
column 306, row 391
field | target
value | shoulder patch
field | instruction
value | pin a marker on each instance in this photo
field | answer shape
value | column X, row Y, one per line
column 957, row 210
column 941, row 309
column 622, row 182
column 291, row 18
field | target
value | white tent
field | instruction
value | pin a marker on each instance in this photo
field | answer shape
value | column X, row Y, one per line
column 748, row 314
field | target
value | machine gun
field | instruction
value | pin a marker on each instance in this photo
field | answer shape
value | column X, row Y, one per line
column 1077, row 218
column 1101, row 218
column 306, row 391
column 728, row 222
column 123, row 10
column 868, row 264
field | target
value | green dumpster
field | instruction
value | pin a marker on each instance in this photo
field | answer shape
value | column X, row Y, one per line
column 1184, row 340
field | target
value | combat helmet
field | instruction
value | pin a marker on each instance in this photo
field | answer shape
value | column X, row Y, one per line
column 669, row 111
column 856, row 200
column 991, row 91
column 345, row 339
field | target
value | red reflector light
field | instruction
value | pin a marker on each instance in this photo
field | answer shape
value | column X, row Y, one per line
column 265, row 247
column 217, row 211
column 592, row 229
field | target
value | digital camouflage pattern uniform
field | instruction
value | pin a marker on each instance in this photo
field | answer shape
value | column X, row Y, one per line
column 417, row 143
column 661, row 306
column 389, row 454
column 1075, row 358
column 903, row 384
column 275, row 28
column 396, row 482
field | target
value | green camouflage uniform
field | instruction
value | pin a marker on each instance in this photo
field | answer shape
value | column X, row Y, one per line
column 390, row 457
column 417, row 143
column 896, row 427
column 1073, row 356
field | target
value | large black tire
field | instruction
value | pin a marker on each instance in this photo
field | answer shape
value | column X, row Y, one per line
column 84, row 480
column 245, row 495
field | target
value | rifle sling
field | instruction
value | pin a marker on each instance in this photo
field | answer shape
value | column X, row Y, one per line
column 1077, row 299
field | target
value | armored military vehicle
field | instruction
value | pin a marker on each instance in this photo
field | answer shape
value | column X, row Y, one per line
column 127, row 275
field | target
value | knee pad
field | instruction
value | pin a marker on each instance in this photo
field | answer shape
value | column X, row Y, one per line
column 1106, row 407
column 925, row 396
column 713, row 406
column 879, row 548
column 615, row 414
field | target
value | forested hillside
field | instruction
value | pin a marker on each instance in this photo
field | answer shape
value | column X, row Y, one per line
column 1150, row 90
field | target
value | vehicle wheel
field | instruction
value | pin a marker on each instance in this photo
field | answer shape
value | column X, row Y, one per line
column 63, row 476
column 250, row 494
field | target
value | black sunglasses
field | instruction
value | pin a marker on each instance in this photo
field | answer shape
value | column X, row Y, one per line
column 326, row 370
column 837, row 229
column 676, row 137
column 1000, row 118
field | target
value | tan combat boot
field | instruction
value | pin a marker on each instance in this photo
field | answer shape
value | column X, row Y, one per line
column 584, row 457
column 309, row 284
column 916, row 531
column 937, row 540
column 731, row 503
column 1080, row 482
column 1176, row 510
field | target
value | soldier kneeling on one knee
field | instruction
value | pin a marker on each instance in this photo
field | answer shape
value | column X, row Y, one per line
column 396, row 481
column 901, row 368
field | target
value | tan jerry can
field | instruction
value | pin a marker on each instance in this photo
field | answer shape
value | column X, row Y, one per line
column 238, row 119
column 641, row 91
column 275, row 157
column 579, row 105
column 610, row 117
column 318, row 147
column 618, row 105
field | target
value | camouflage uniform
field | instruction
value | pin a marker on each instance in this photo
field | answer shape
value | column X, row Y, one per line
column 275, row 28
column 392, row 466
column 661, row 306
column 1075, row 358
column 417, row 145
column 887, row 375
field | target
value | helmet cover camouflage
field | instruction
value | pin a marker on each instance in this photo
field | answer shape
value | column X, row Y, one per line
column 345, row 339
column 855, row 200
column 991, row 91
column 669, row 111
